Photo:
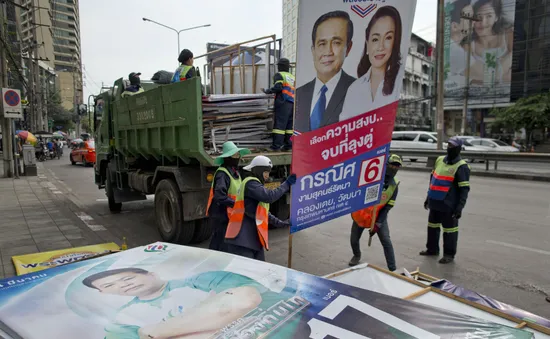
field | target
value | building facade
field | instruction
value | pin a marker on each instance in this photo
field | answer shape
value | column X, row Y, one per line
column 58, row 39
column 415, row 110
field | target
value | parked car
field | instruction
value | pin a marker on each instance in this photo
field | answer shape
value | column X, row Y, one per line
column 413, row 140
column 83, row 152
column 492, row 145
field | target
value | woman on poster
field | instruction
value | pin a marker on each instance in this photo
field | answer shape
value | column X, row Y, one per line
column 379, row 66
column 491, row 46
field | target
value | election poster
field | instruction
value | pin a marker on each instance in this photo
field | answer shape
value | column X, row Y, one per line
column 169, row 291
column 350, row 64
column 35, row 262
column 484, row 29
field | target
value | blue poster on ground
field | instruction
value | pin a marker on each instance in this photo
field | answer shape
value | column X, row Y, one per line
column 169, row 291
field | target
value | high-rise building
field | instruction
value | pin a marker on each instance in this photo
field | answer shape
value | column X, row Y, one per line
column 57, row 25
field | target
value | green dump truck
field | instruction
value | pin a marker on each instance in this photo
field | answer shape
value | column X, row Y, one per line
column 153, row 143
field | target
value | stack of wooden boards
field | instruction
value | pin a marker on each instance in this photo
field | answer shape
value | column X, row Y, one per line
column 245, row 119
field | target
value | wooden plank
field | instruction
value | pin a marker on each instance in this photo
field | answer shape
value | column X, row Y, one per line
column 417, row 293
column 522, row 325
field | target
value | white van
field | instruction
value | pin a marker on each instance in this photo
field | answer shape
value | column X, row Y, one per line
column 414, row 140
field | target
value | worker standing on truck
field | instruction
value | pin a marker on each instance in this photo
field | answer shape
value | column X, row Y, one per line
column 135, row 85
column 223, row 193
column 247, row 231
column 447, row 195
column 185, row 70
column 283, row 89
column 376, row 217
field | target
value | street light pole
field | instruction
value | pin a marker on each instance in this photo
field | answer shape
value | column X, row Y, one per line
column 175, row 30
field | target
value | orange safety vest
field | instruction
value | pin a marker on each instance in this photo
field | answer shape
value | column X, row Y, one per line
column 237, row 217
column 367, row 217
column 288, row 86
column 232, row 191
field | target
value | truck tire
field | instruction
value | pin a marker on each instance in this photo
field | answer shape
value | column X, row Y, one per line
column 281, row 209
column 203, row 231
column 114, row 206
column 169, row 214
column 72, row 161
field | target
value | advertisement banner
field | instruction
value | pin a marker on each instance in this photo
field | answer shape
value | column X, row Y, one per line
column 351, row 61
column 490, row 45
column 35, row 262
column 170, row 291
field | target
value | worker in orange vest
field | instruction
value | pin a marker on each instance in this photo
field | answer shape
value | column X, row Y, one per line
column 375, row 218
column 247, row 231
column 223, row 193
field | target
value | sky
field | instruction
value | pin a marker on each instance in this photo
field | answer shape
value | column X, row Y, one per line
column 116, row 41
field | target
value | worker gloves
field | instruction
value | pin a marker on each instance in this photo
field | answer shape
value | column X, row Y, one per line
column 457, row 214
column 291, row 179
column 426, row 204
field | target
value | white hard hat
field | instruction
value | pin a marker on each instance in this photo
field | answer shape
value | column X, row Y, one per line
column 260, row 160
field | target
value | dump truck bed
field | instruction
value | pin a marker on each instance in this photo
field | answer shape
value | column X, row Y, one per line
column 171, row 122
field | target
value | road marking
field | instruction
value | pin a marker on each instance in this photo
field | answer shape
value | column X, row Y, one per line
column 89, row 222
column 102, row 200
column 518, row 247
column 57, row 192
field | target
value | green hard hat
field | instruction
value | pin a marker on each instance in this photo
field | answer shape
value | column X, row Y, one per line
column 228, row 149
column 395, row 159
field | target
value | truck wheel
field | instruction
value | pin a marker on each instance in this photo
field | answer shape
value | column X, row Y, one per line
column 169, row 215
column 72, row 161
column 114, row 206
column 281, row 209
column 203, row 231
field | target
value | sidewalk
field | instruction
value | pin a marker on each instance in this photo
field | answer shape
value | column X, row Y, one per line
column 36, row 217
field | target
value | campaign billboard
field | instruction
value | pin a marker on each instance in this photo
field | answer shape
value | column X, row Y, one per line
column 350, row 65
column 169, row 291
column 489, row 44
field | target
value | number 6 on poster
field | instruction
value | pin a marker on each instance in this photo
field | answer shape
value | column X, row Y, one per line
column 372, row 170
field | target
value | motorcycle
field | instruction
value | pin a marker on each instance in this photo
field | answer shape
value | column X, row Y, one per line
column 42, row 153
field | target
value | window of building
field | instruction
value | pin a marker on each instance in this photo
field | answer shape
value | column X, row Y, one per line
column 64, row 50
column 425, row 69
column 63, row 58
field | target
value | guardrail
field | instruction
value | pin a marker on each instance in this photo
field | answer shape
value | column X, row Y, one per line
column 486, row 156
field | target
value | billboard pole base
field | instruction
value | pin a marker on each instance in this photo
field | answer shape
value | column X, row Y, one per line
column 289, row 260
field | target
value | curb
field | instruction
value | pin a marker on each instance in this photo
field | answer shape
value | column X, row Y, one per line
column 500, row 175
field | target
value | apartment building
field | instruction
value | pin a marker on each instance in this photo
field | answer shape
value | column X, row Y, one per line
column 57, row 25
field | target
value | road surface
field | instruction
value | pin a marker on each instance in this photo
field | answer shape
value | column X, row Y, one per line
column 503, row 250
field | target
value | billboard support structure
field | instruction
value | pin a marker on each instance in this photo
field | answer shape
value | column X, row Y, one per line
column 440, row 71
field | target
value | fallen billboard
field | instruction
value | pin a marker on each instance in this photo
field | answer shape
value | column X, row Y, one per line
column 168, row 291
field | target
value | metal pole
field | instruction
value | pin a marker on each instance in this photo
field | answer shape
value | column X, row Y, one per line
column 179, row 50
column 36, row 70
column 7, row 133
column 440, row 71
column 467, row 84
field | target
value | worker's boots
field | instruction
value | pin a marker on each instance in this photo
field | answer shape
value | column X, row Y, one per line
column 355, row 260
column 428, row 253
column 446, row 260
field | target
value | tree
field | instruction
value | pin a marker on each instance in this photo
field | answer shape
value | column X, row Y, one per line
column 531, row 113
column 60, row 115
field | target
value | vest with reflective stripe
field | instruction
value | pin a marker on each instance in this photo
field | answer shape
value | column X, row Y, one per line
column 288, row 86
column 367, row 216
column 443, row 176
column 237, row 217
column 232, row 191
column 180, row 73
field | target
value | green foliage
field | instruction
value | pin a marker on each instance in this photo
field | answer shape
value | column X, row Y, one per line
column 530, row 113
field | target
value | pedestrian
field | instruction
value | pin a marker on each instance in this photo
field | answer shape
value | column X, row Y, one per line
column 447, row 195
column 247, row 231
column 283, row 89
column 223, row 193
column 185, row 70
column 133, row 89
column 376, row 217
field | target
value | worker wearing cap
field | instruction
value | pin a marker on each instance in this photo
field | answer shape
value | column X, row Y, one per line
column 135, row 85
column 185, row 70
column 375, row 217
column 283, row 89
column 247, row 231
column 223, row 193
column 447, row 195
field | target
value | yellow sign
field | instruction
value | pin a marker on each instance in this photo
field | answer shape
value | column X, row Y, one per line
column 29, row 263
column 272, row 185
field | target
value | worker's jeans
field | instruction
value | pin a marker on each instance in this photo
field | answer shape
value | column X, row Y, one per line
column 385, row 240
